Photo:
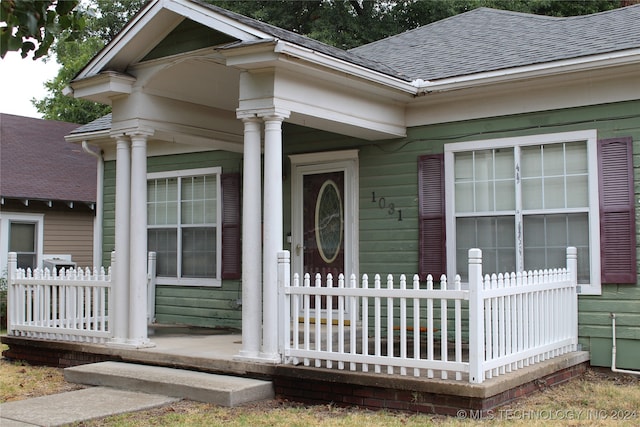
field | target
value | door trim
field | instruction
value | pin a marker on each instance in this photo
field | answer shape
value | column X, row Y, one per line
column 331, row 161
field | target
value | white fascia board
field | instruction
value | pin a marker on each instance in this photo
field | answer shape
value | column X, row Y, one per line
column 531, row 71
column 342, row 66
column 78, row 138
column 211, row 19
column 113, row 47
column 178, row 9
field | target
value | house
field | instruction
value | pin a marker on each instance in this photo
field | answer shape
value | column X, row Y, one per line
column 47, row 195
column 232, row 140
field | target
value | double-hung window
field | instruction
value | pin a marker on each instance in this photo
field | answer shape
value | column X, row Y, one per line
column 523, row 201
column 184, row 226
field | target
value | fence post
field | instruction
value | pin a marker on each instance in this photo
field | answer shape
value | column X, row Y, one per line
column 572, row 267
column 11, row 299
column 476, row 318
column 111, row 314
column 284, row 311
column 151, row 288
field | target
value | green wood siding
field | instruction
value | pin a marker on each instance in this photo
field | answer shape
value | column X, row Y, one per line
column 387, row 245
column 186, row 37
column 190, row 305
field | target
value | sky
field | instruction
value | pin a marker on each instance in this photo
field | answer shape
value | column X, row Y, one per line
column 22, row 80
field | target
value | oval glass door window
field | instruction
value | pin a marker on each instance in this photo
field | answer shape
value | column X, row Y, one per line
column 329, row 222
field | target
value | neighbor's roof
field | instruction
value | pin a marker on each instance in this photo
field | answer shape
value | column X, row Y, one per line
column 487, row 40
column 37, row 163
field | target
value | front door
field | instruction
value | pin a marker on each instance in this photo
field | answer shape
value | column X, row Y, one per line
column 324, row 236
column 323, row 223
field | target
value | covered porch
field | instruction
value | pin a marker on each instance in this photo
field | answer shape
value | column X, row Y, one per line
column 214, row 351
column 401, row 347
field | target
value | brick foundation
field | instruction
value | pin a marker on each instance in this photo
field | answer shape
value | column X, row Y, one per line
column 322, row 386
column 59, row 355
column 289, row 385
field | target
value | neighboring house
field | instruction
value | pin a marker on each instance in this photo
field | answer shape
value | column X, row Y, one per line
column 47, row 194
column 514, row 133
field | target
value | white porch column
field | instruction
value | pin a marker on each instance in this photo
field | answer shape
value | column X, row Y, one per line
column 120, row 316
column 273, row 219
column 251, row 241
column 138, row 242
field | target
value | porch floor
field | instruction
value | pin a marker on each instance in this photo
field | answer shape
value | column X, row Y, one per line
column 215, row 351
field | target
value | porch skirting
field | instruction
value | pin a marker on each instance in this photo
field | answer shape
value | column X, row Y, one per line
column 322, row 386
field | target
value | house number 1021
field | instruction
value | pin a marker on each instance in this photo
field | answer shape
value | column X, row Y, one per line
column 382, row 204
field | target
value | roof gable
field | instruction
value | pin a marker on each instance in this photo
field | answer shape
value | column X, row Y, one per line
column 484, row 40
column 188, row 36
column 37, row 163
column 156, row 28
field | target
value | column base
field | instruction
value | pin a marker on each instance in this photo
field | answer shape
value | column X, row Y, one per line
column 131, row 344
column 257, row 358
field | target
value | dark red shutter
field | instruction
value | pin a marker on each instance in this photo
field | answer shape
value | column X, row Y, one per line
column 231, row 227
column 432, row 242
column 617, row 211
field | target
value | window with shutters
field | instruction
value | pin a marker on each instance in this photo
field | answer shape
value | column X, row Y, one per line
column 523, row 201
column 184, row 217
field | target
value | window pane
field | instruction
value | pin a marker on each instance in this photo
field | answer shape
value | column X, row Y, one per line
column 464, row 197
column 199, row 252
column 505, row 195
column 546, row 238
column 199, row 200
column 495, row 236
column 504, row 163
column 531, row 161
column 163, row 242
column 26, row 261
column 578, row 191
column 484, row 197
column 483, row 165
column 532, row 193
column 554, row 193
column 464, row 167
column 162, row 205
column 553, row 159
column 576, row 158
column 22, row 237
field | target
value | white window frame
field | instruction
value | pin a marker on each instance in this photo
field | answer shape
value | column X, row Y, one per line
column 6, row 218
column 591, row 138
column 188, row 281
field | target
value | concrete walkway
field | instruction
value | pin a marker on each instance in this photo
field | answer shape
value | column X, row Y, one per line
column 76, row 406
column 128, row 387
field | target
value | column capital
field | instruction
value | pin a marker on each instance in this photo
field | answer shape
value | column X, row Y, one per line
column 140, row 132
column 272, row 113
column 119, row 136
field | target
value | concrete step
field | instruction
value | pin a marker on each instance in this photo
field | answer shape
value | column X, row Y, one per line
column 222, row 390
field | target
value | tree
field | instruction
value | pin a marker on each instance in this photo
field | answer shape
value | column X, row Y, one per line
column 33, row 25
column 104, row 19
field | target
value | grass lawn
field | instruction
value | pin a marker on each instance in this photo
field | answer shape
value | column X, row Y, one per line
column 595, row 399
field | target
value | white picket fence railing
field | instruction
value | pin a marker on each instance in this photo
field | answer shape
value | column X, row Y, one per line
column 69, row 305
column 501, row 323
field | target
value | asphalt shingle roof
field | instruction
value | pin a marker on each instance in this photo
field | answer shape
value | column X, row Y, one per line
column 37, row 163
column 99, row 124
column 477, row 41
column 289, row 36
column 487, row 39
